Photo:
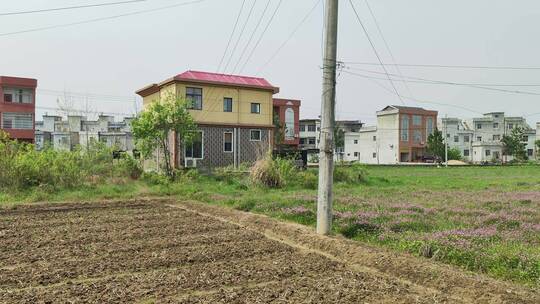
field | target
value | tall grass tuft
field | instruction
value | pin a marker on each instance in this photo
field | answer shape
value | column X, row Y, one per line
column 273, row 172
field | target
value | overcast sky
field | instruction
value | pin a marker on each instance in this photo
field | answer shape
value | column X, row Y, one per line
column 118, row 56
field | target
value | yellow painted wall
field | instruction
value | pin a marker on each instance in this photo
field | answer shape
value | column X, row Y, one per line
column 212, row 110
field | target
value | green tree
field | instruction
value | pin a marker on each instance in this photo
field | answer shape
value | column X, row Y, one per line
column 435, row 144
column 339, row 138
column 513, row 144
column 154, row 126
column 454, row 154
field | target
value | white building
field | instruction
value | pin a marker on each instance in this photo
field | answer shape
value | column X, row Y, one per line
column 310, row 130
column 479, row 139
column 400, row 136
column 78, row 131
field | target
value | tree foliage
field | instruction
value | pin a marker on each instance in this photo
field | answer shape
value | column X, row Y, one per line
column 513, row 144
column 435, row 144
column 154, row 126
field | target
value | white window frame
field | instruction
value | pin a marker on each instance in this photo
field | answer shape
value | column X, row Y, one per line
column 258, row 107
column 232, row 141
column 202, row 147
column 260, row 135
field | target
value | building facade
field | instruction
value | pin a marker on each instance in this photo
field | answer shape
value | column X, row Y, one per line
column 309, row 134
column 234, row 115
column 18, row 107
column 287, row 123
column 76, row 131
column 479, row 139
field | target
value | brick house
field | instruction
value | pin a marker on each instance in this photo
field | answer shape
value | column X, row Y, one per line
column 287, row 122
column 234, row 116
column 18, row 107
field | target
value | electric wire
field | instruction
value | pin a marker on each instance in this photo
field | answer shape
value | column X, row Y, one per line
column 375, row 50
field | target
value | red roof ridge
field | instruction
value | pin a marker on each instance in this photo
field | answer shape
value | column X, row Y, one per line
column 220, row 74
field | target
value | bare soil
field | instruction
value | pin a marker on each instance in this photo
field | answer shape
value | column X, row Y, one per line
column 148, row 251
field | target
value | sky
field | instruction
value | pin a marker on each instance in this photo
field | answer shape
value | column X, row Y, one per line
column 98, row 66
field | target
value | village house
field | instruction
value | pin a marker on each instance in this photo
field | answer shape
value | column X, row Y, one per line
column 234, row 116
column 399, row 137
column 287, row 123
column 17, row 107
column 76, row 131
column 479, row 139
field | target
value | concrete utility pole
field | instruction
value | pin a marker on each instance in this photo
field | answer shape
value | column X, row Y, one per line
column 446, row 140
column 326, row 154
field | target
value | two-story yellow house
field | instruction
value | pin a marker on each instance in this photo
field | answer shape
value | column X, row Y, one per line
column 233, row 114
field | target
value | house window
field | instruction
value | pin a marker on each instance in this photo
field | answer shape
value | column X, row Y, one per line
column 530, row 152
column 479, row 138
column 227, row 142
column 194, row 97
column 429, row 127
column 466, row 138
column 302, row 141
column 479, row 126
column 417, row 120
column 417, row 136
column 255, row 108
column 496, row 137
column 18, row 95
column 227, row 104
column 255, row 135
column 405, row 128
column 374, row 155
column 466, row 152
column 19, row 121
column 302, row 128
column 456, row 138
column 8, row 97
column 195, row 148
column 495, row 125
column 510, row 126
column 355, row 154
column 447, row 135
column 289, row 123
column 374, row 138
column 311, row 128
column 488, row 152
column 356, row 141
column 311, row 140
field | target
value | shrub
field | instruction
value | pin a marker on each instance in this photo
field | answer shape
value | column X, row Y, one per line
column 308, row 179
column 353, row 174
column 21, row 166
column 272, row 172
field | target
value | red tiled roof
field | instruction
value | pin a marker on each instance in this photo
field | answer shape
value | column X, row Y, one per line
column 235, row 80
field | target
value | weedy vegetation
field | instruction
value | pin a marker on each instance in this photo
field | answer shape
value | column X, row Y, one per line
column 483, row 219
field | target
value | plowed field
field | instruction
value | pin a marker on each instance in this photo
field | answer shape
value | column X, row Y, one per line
column 159, row 251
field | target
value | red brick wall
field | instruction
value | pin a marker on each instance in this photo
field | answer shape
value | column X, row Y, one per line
column 10, row 107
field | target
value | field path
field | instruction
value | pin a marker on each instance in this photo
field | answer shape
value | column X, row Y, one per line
column 147, row 251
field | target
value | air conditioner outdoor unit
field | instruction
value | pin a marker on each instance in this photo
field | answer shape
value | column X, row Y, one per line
column 191, row 163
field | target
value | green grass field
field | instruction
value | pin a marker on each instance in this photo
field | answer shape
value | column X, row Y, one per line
column 483, row 219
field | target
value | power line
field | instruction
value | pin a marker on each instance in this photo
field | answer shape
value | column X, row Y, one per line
column 375, row 50
column 57, row 109
column 445, row 66
column 416, row 99
column 240, row 36
column 99, row 19
column 428, row 81
column 251, row 36
column 232, row 34
column 290, row 36
column 104, row 97
column 387, row 46
column 70, row 7
column 261, row 36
